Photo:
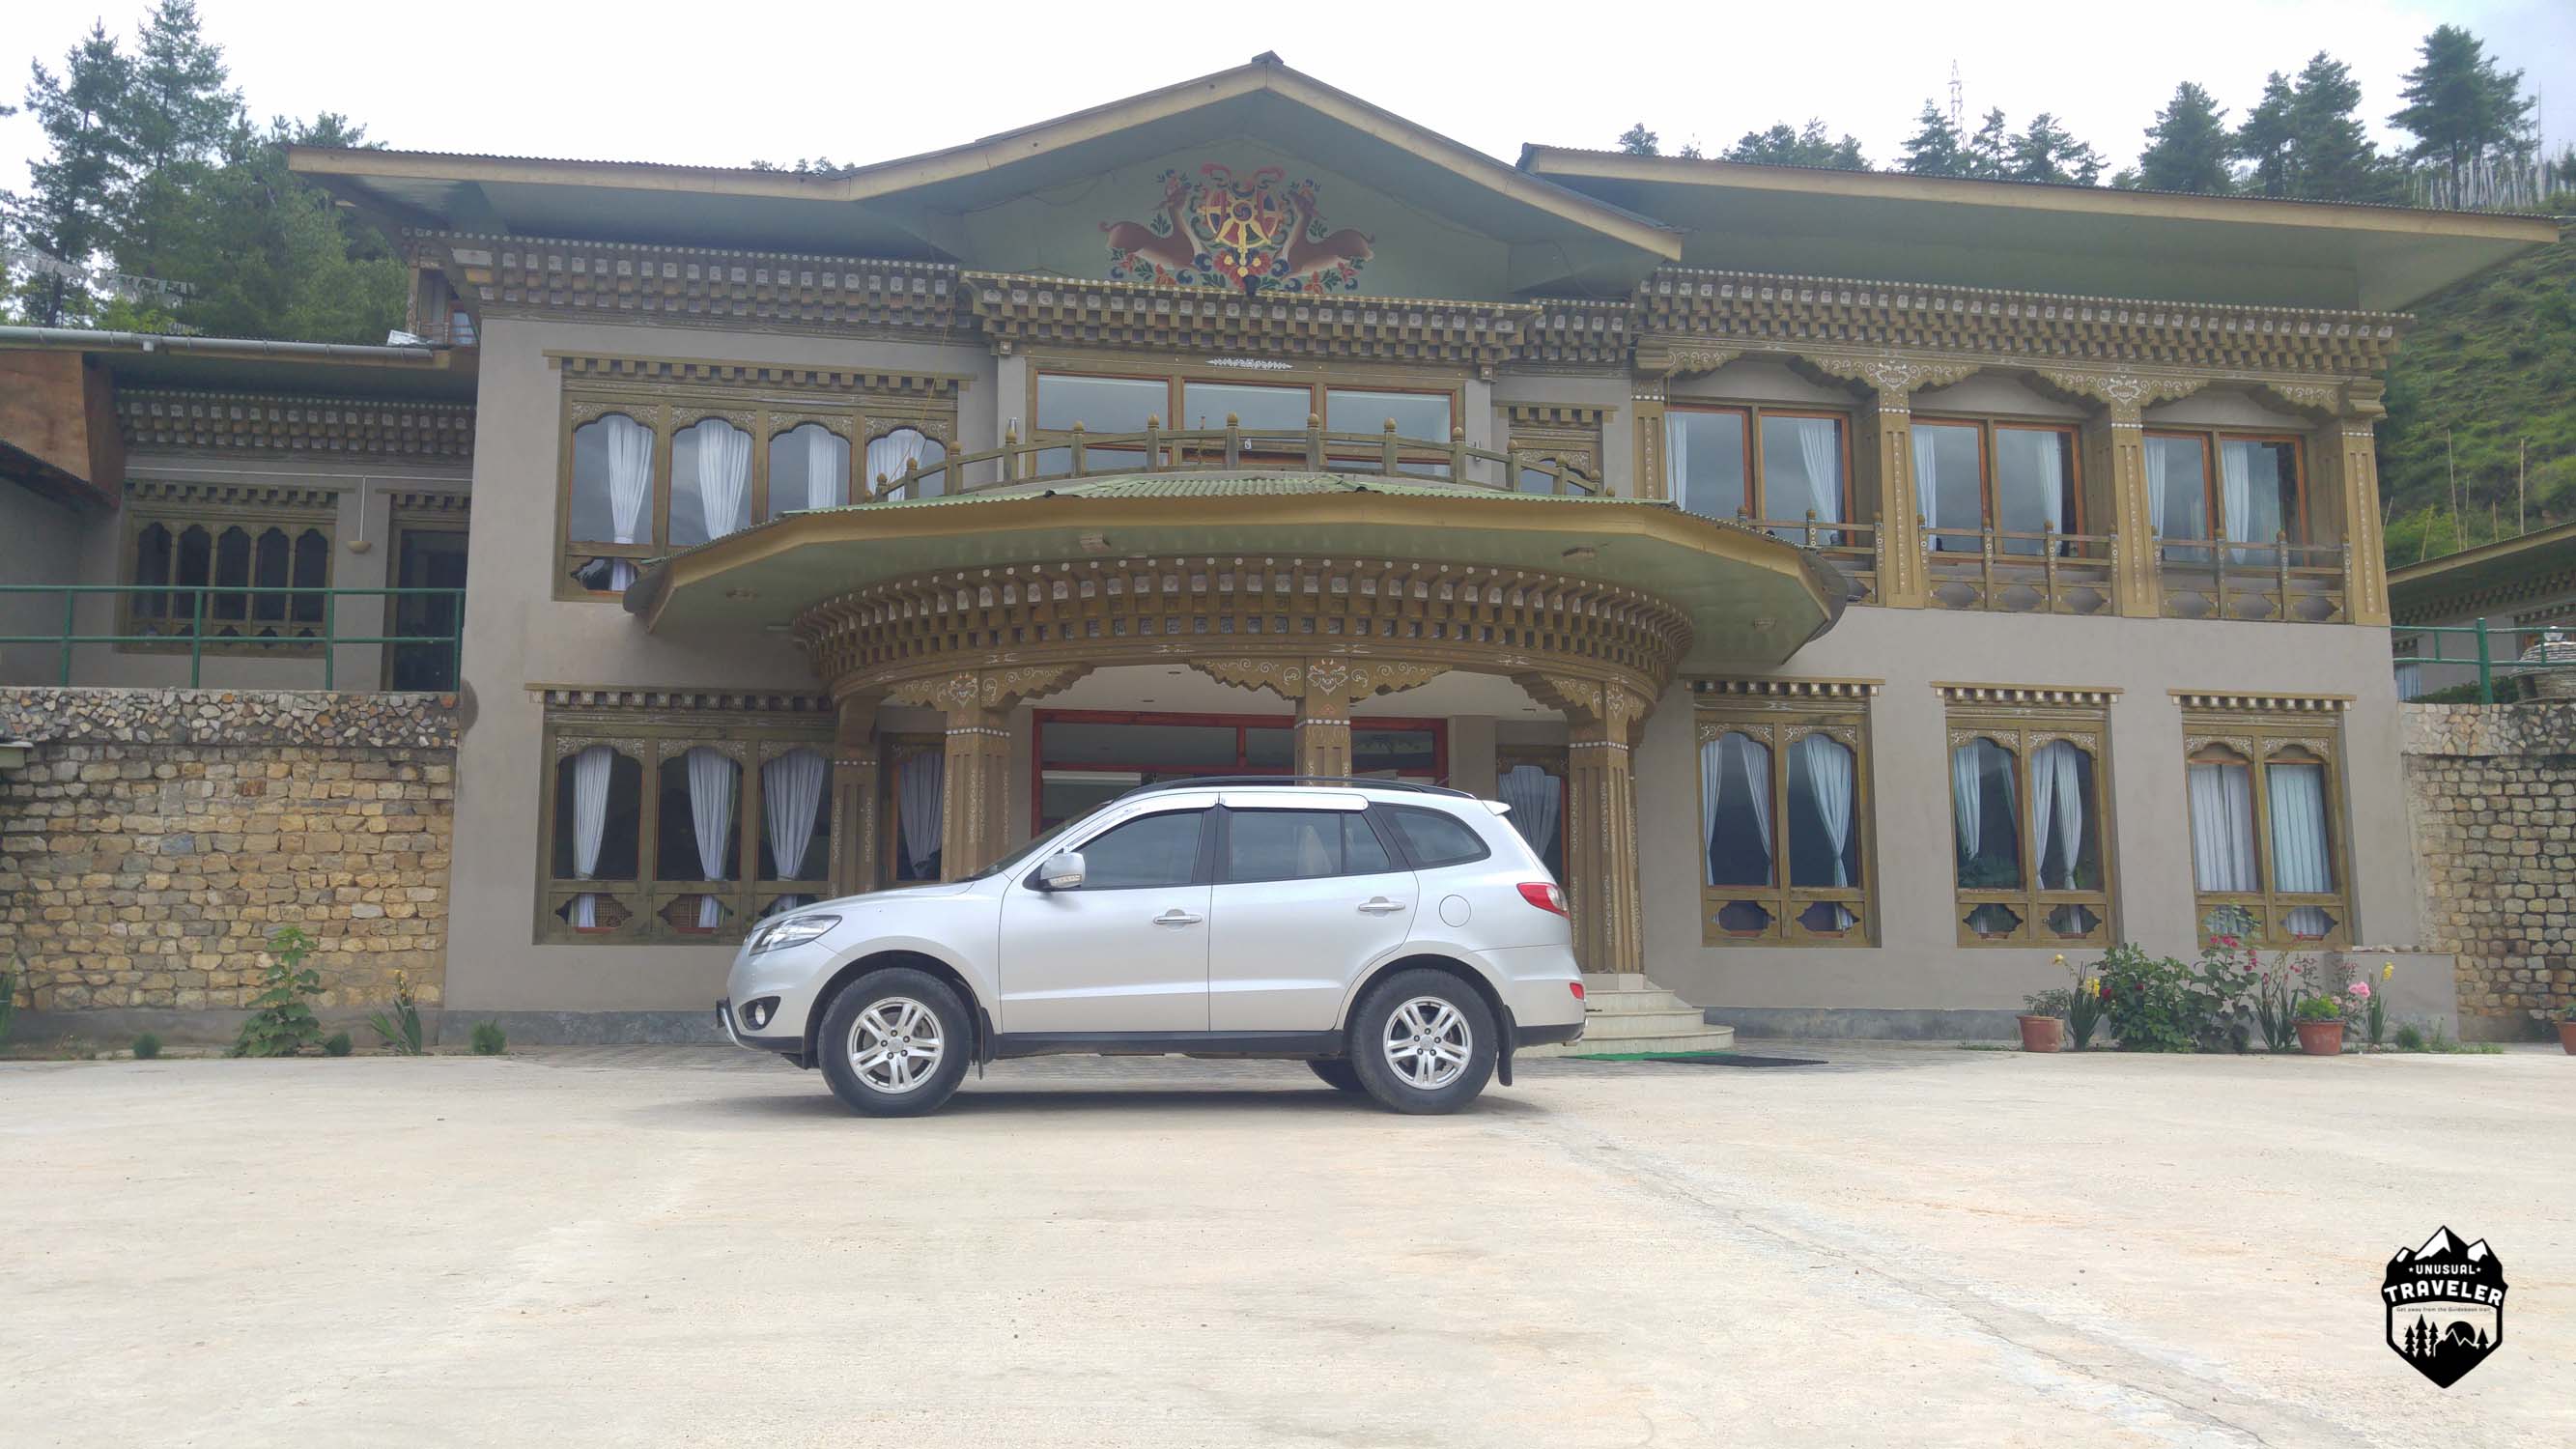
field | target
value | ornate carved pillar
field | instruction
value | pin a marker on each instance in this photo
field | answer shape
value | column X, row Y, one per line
column 1323, row 691
column 1646, row 396
column 974, row 821
column 1600, row 818
column 2348, row 460
column 2118, row 441
column 1660, row 360
column 1884, row 453
column 855, row 763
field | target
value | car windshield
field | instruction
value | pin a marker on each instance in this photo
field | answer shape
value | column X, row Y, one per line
column 1029, row 850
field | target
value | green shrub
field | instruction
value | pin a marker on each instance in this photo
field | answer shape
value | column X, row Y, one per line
column 2048, row 1003
column 9, row 996
column 146, row 1047
column 281, row 1020
column 2320, row 1008
column 488, row 1040
column 400, row 1031
column 337, row 1044
column 2410, row 1037
column 2159, row 1004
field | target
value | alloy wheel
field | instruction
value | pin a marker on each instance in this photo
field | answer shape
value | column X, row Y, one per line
column 1427, row 1043
column 896, row 1044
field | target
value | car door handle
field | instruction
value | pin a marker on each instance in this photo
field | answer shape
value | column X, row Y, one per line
column 1380, row 905
column 1177, row 917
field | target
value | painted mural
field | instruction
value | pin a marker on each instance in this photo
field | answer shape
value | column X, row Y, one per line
column 1250, row 233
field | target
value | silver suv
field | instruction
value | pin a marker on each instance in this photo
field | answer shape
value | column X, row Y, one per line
column 1400, row 939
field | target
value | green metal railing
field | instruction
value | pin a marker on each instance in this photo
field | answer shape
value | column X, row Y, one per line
column 2483, row 642
column 197, row 630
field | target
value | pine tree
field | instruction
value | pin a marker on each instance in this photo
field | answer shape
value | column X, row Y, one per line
column 267, row 254
column 176, row 117
column 2263, row 141
column 2332, row 157
column 69, row 213
column 1805, row 146
column 1987, row 148
column 2459, row 106
column 1638, row 141
column 1935, row 148
column 2187, row 146
column 2046, row 152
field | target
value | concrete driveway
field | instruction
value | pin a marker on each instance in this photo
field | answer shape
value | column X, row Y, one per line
column 665, row 1246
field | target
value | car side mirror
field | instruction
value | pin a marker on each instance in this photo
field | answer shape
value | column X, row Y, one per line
column 1062, row 871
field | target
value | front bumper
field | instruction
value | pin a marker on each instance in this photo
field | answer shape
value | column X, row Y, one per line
column 793, row 1046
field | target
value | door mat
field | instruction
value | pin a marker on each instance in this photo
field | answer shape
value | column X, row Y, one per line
column 1703, row 1059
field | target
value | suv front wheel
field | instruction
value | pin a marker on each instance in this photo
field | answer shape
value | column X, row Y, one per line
column 894, row 1044
column 1423, row 1042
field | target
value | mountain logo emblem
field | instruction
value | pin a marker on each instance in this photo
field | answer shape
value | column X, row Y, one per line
column 2445, row 1305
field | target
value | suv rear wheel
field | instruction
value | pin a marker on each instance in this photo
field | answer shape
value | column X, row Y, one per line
column 1423, row 1042
column 894, row 1044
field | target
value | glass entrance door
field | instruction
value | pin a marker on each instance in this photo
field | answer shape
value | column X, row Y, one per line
column 426, row 558
column 1086, row 758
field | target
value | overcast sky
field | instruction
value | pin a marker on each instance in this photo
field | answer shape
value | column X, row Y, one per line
column 722, row 84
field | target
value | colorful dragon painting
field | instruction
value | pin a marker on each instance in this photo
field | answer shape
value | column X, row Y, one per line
column 1245, row 233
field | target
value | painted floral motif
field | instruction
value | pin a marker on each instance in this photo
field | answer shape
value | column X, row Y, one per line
column 1252, row 233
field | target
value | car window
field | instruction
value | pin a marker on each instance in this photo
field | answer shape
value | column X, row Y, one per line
column 1300, row 845
column 1155, row 850
column 1432, row 838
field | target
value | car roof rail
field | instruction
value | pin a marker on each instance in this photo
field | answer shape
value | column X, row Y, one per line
column 1360, row 781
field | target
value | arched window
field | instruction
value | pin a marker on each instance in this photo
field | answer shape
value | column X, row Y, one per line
column 152, row 563
column 795, row 826
column 701, row 835
column 598, row 815
column 809, row 467
column 231, row 600
column 892, row 455
column 270, row 569
column 612, row 499
column 710, row 482
column 1780, row 816
column 312, row 571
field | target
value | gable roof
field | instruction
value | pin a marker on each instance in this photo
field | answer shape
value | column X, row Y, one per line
column 2025, row 236
column 909, row 207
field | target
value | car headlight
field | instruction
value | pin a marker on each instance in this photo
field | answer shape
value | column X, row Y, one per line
column 794, row 931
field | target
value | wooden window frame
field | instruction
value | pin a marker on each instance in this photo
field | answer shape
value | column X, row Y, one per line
column 1239, row 723
column 2020, row 731
column 1778, row 728
column 2259, row 740
column 666, row 408
column 894, row 748
column 1989, row 477
column 1555, row 761
column 297, row 639
column 1317, row 383
column 751, row 741
column 2212, row 507
column 1757, row 487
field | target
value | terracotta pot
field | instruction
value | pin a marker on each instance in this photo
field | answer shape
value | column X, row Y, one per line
column 2567, row 1037
column 2041, row 1033
column 2321, row 1038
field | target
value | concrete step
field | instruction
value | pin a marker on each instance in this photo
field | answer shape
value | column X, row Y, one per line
column 1708, row 1039
column 1622, row 1003
column 1613, row 1025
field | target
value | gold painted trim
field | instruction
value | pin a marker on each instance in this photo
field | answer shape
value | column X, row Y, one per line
column 1803, row 688
column 2258, row 703
column 2090, row 695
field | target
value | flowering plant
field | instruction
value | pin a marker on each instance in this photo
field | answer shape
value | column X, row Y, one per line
column 2374, row 1004
column 2319, row 1008
column 2083, row 1004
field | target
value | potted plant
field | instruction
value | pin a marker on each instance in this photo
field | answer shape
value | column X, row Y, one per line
column 2043, row 1026
column 2320, row 1020
column 2567, row 1029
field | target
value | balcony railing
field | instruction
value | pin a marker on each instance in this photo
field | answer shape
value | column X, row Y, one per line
column 1078, row 453
column 271, row 621
column 2282, row 581
column 1852, row 547
column 2007, row 571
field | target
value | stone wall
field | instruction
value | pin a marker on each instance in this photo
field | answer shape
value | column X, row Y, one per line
column 2492, row 792
column 155, row 837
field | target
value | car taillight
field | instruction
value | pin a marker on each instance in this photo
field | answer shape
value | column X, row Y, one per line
column 1576, row 987
column 1543, row 894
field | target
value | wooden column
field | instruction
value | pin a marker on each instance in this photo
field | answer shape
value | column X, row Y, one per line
column 2346, row 470
column 1602, row 889
column 1323, row 733
column 1647, row 465
column 856, row 761
column 973, row 816
column 1885, row 454
column 2116, row 443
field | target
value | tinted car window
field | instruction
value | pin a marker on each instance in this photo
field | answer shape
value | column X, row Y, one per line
column 1432, row 838
column 1300, row 845
column 1157, row 850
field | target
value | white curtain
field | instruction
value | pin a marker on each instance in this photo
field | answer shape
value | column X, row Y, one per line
column 2155, row 455
column 2056, row 802
column 1712, row 785
column 713, row 782
column 2038, row 503
column 1818, row 450
column 592, row 770
column 1927, row 483
column 1967, row 795
column 2410, row 679
column 2236, row 493
column 2297, row 795
column 2222, row 828
column 1829, row 780
column 825, row 472
column 1533, row 794
column 630, row 489
column 1677, row 460
column 1753, row 761
column 1752, row 764
column 890, row 455
column 791, row 801
column 919, row 784
column 724, row 477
